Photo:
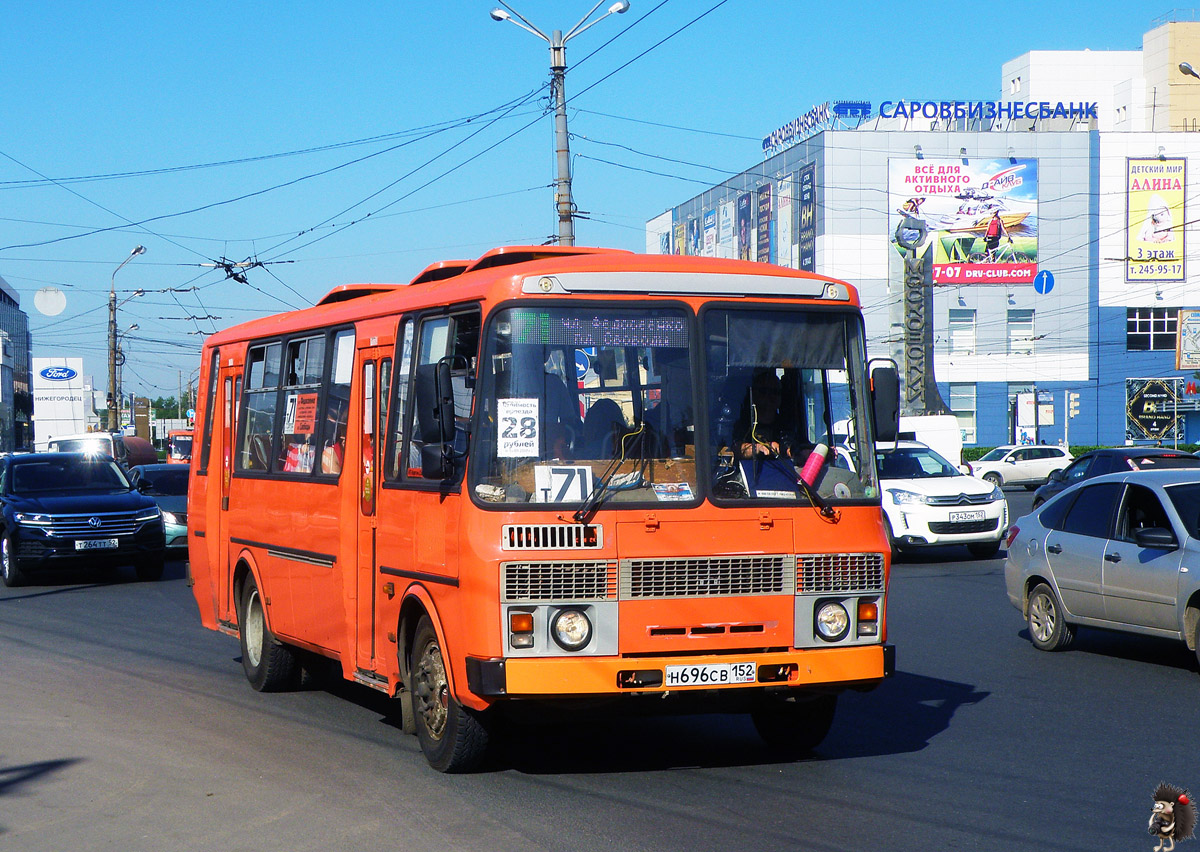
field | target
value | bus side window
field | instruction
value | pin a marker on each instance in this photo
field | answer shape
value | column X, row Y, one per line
column 395, row 467
column 337, row 404
column 457, row 337
column 260, row 400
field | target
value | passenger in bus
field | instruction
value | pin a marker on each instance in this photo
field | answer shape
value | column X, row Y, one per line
column 335, row 446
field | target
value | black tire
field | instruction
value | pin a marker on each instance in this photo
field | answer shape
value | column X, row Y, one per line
column 1048, row 629
column 1037, row 504
column 149, row 569
column 10, row 565
column 270, row 665
column 453, row 738
column 984, row 549
column 794, row 726
column 994, row 478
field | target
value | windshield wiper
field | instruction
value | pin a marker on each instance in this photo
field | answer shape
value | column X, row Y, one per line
column 609, row 481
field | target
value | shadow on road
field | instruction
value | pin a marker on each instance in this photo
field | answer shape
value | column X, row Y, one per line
column 902, row 715
column 1135, row 648
column 65, row 580
column 13, row 778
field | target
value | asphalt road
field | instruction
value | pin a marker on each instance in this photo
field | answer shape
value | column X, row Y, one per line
column 124, row 725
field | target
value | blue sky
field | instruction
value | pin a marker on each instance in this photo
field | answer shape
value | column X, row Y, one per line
column 331, row 140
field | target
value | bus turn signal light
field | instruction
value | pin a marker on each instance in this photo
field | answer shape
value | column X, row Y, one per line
column 520, row 622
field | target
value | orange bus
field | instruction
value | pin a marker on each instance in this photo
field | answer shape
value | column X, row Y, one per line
column 179, row 446
column 552, row 474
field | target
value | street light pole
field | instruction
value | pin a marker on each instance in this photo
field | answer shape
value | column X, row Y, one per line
column 112, row 338
column 564, row 203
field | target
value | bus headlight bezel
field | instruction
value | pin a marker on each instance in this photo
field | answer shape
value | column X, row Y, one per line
column 571, row 629
column 831, row 620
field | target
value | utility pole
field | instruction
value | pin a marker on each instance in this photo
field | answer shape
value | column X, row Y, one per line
column 564, row 203
column 113, row 402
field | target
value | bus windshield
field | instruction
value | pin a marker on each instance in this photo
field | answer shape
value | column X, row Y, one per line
column 571, row 394
column 778, row 381
column 580, row 404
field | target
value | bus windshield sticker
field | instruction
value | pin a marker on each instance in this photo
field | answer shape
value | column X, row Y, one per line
column 671, row 491
column 560, row 483
column 517, row 423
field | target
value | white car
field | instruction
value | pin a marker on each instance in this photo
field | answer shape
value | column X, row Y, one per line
column 929, row 501
column 1029, row 465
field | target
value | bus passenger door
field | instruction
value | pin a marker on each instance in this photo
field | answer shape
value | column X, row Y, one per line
column 230, row 385
column 375, row 372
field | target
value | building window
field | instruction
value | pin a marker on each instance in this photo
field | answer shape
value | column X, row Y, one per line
column 1151, row 329
column 1014, row 85
column 962, row 331
column 1020, row 331
column 962, row 405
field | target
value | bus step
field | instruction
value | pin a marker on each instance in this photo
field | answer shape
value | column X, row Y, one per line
column 371, row 679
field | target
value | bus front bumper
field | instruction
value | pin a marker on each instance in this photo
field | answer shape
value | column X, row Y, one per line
column 576, row 677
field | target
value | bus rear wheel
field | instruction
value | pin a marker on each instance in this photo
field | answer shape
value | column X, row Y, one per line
column 794, row 726
column 453, row 738
column 270, row 665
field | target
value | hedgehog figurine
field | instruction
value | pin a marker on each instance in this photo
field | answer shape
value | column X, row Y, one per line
column 1173, row 817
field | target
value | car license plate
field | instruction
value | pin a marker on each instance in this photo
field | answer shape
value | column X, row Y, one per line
column 95, row 543
column 717, row 674
column 959, row 517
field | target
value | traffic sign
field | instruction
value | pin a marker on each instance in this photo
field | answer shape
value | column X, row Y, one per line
column 1043, row 282
column 191, row 414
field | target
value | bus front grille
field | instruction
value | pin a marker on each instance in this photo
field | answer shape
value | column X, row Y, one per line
column 558, row 581
column 714, row 576
column 551, row 537
column 839, row 572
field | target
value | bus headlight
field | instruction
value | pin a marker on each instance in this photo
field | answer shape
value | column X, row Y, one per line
column 571, row 629
column 832, row 621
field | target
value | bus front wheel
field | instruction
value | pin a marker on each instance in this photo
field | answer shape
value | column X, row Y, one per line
column 453, row 738
column 794, row 726
column 270, row 665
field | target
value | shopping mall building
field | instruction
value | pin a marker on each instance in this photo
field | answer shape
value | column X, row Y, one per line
column 1078, row 173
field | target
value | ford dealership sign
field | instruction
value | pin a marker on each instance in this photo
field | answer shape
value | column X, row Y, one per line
column 58, row 374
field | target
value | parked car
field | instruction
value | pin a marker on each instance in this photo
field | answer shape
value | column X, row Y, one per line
column 1114, row 460
column 1119, row 551
column 71, row 510
column 1028, row 464
column 167, row 484
column 927, row 501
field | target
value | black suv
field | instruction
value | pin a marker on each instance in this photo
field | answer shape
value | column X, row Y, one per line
column 1114, row 460
column 72, row 510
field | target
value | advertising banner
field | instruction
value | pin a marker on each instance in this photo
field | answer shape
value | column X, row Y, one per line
column 807, row 218
column 745, row 214
column 1187, row 344
column 783, row 228
column 980, row 216
column 710, row 233
column 1154, row 217
column 764, row 251
column 1152, row 409
column 59, row 397
column 680, row 246
column 726, row 245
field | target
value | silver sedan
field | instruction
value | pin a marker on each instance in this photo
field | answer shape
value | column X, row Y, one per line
column 1120, row 552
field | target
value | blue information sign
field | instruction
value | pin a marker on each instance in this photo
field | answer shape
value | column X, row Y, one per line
column 1043, row 282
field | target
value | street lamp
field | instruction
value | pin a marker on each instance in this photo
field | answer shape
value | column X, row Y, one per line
column 1187, row 69
column 112, row 336
column 558, row 73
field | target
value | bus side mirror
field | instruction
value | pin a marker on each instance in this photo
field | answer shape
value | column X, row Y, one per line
column 885, row 401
